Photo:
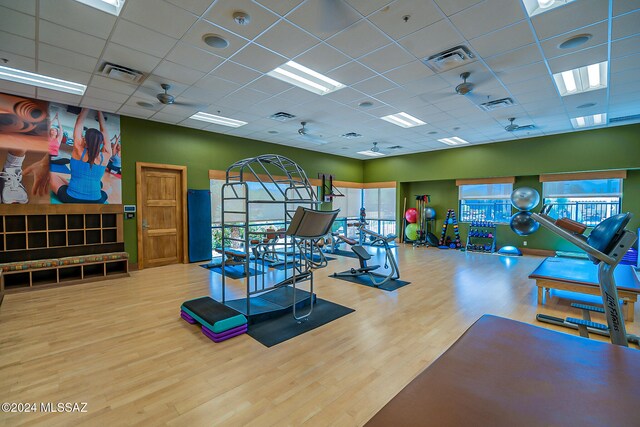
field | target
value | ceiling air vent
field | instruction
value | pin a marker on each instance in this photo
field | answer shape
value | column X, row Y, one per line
column 282, row 116
column 124, row 74
column 394, row 147
column 351, row 135
column 624, row 118
column 449, row 59
column 496, row 104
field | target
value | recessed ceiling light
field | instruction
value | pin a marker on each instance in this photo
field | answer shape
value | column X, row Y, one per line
column 433, row 132
column 589, row 121
column 583, row 79
column 575, row 41
column 39, row 80
column 535, row 7
column 214, row 40
column 454, row 140
column 241, row 18
column 456, row 128
column 403, row 120
column 371, row 153
column 587, row 105
column 365, row 104
column 219, row 120
column 110, row 6
column 273, row 132
column 305, row 78
column 144, row 104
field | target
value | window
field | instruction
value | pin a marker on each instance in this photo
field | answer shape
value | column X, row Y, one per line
column 485, row 202
column 380, row 205
column 588, row 201
column 349, row 204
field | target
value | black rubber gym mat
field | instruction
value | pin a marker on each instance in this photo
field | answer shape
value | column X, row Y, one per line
column 274, row 331
column 391, row 285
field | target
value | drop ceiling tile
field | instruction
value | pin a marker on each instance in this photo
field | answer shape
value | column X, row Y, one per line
column 391, row 18
column 393, row 95
column 324, row 19
column 346, row 95
column 184, row 111
column 67, row 58
column 78, row 16
column 213, row 87
column 367, row 7
column 222, row 12
column 121, row 55
column 17, row 23
column 64, row 73
column 105, row 95
column 631, row 62
column 624, row 6
column 201, row 28
column 101, row 82
column 177, row 72
column 537, row 95
column 625, row 47
column 68, row 39
column 543, row 82
column 161, row 116
column 351, row 73
column 359, row 39
column 297, row 95
column 17, row 89
column 387, row 58
column 322, row 58
column 160, row 16
column 450, row 7
column 487, row 16
column 286, row 40
column 625, row 25
column 374, row 85
column 128, row 110
column 235, row 73
column 100, row 104
column 197, row 7
column 24, row 6
column 441, row 35
column 427, row 85
column 597, row 96
column 522, row 74
column 409, row 72
column 503, row 40
column 53, row 95
column 579, row 59
column 569, row 17
column 142, row 39
column 239, row 99
column 599, row 35
column 195, row 58
column 18, row 61
column 258, row 58
column 516, row 58
column 269, row 85
column 281, row 7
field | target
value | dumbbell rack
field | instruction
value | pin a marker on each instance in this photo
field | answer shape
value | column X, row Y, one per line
column 478, row 239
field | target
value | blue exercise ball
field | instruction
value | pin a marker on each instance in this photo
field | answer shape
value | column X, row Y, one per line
column 429, row 213
column 525, row 198
column 522, row 224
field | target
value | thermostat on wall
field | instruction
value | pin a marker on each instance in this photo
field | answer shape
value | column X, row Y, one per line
column 129, row 208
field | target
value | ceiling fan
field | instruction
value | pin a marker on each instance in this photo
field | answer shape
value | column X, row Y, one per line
column 512, row 127
column 307, row 136
column 464, row 87
column 166, row 98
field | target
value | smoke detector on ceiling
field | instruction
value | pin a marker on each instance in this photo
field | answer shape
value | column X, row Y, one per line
column 496, row 104
column 119, row 72
column 449, row 59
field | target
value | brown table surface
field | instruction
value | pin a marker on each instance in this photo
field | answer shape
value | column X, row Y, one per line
column 583, row 272
column 507, row 373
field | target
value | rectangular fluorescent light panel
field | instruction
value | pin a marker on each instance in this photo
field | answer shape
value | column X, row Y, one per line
column 403, row 120
column 454, row 140
column 110, row 6
column 589, row 121
column 371, row 153
column 219, row 120
column 33, row 79
column 583, row 79
column 536, row 7
column 305, row 78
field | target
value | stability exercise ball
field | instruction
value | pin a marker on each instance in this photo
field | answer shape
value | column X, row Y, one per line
column 522, row 224
column 525, row 198
column 411, row 231
column 411, row 215
column 429, row 213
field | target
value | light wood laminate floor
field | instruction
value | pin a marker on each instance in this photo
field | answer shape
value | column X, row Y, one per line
column 120, row 345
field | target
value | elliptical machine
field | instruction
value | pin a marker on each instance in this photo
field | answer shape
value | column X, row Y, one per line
column 363, row 256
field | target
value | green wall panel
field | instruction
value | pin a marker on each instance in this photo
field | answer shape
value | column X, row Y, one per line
column 200, row 151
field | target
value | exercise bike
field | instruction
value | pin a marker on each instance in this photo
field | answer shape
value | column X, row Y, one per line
column 364, row 256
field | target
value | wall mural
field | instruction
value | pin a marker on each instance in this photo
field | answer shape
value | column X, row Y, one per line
column 54, row 153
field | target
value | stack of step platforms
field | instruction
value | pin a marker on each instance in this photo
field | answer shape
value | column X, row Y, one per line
column 219, row 322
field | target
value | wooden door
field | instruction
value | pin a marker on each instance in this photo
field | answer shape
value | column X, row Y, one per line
column 162, row 195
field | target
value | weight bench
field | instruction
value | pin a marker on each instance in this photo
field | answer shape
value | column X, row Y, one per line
column 506, row 373
column 218, row 322
column 581, row 276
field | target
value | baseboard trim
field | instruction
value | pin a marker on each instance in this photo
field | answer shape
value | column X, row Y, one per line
column 538, row 252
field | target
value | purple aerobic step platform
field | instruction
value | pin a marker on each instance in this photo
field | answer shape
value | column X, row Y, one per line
column 233, row 332
column 186, row 317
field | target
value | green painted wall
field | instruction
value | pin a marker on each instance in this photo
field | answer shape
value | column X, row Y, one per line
column 200, row 151
column 435, row 172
